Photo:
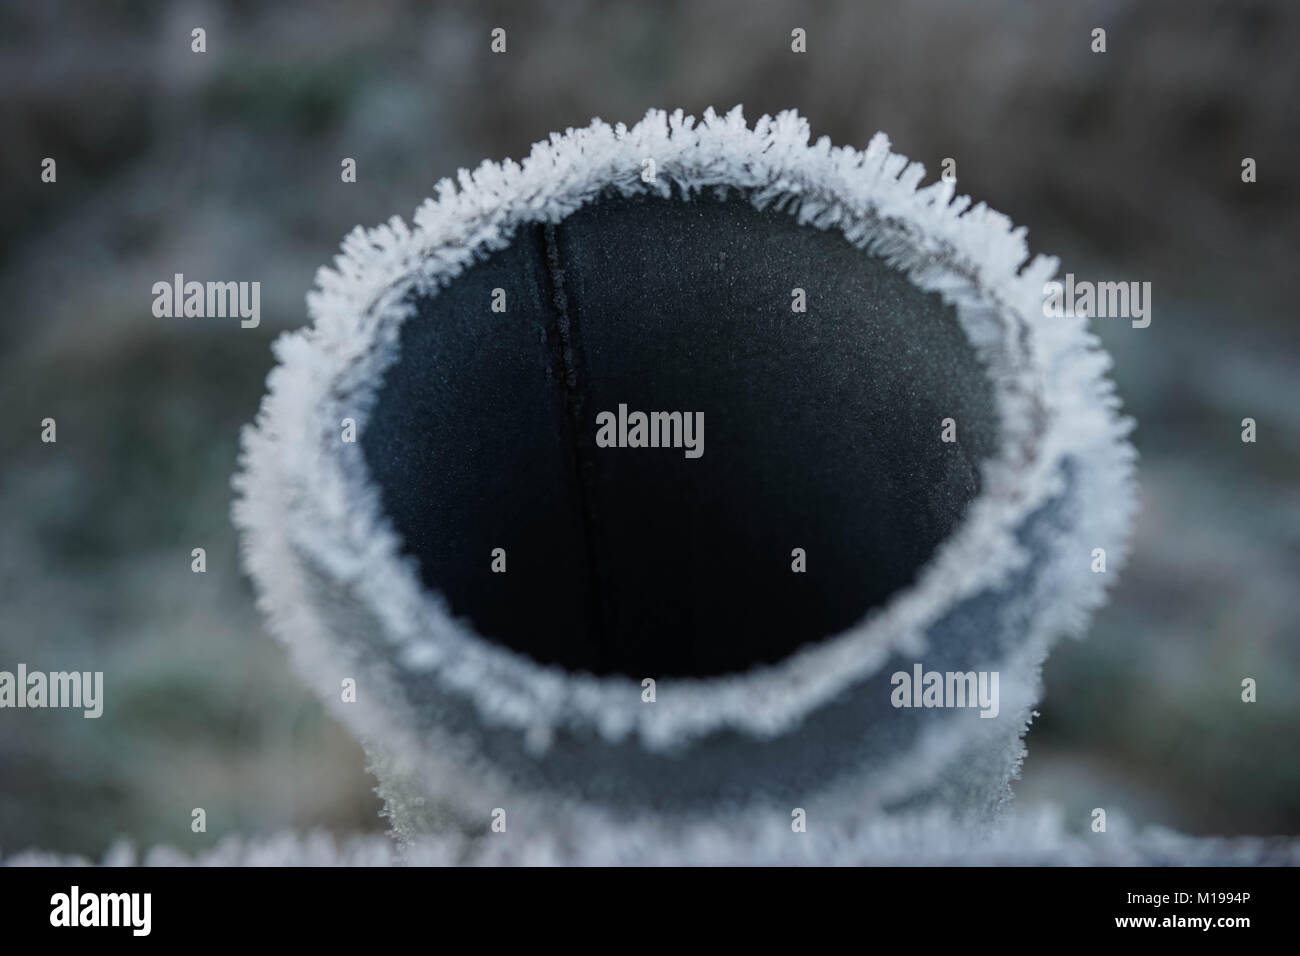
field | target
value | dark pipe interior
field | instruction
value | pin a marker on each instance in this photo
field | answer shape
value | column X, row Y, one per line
column 822, row 432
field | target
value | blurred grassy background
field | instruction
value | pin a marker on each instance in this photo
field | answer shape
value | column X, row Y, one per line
column 226, row 166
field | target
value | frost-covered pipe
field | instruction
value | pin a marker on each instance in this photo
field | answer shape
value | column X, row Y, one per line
column 557, row 644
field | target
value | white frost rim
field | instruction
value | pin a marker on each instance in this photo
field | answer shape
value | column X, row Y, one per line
column 298, row 490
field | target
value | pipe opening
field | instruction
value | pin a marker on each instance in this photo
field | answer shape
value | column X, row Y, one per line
column 821, row 431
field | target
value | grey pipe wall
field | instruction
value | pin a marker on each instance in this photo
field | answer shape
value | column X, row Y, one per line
column 519, row 696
